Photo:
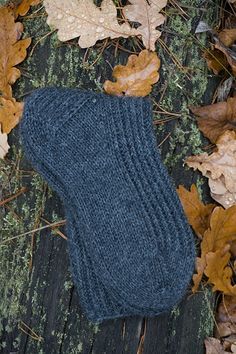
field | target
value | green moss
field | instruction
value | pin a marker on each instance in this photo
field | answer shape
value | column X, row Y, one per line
column 206, row 324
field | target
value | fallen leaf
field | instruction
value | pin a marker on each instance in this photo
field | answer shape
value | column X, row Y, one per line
column 224, row 329
column 220, row 169
column 147, row 14
column 216, row 60
column 229, row 53
column 4, row 147
column 24, row 6
column 219, row 273
column 218, row 236
column 214, row 346
column 198, row 214
column 227, row 36
column 85, row 20
column 136, row 77
column 216, row 118
column 10, row 113
column 12, row 50
column 227, row 310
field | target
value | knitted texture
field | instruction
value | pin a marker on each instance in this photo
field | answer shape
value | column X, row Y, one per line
column 131, row 249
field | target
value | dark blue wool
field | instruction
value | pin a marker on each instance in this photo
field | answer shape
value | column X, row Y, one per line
column 131, row 249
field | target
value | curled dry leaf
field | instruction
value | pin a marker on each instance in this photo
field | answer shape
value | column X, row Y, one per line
column 136, row 77
column 24, row 6
column 216, row 118
column 221, row 56
column 218, row 237
column 12, row 50
column 82, row 18
column 216, row 60
column 4, row 147
column 229, row 54
column 198, row 214
column 220, row 169
column 147, row 14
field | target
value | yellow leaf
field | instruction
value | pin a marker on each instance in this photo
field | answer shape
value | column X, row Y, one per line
column 24, row 6
column 197, row 213
column 136, row 77
column 220, row 234
column 219, row 273
column 12, row 50
column 10, row 113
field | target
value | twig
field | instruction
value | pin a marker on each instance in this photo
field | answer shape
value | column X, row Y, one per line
column 59, row 223
column 57, row 231
column 9, row 199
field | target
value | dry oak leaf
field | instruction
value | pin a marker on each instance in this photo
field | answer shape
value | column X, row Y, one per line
column 220, row 234
column 10, row 113
column 4, row 147
column 198, row 214
column 83, row 18
column 136, row 77
column 24, row 6
column 220, row 169
column 147, row 14
column 216, row 118
column 219, row 273
column 12, row 50
column 214, row 346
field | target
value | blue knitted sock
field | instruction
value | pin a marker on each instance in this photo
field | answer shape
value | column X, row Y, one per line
column 129, row 215
column 95, row 301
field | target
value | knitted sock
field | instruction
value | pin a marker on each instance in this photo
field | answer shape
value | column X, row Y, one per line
column 95, row 301
column 129, row 215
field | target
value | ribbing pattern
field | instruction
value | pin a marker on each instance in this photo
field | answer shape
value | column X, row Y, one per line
column 131, row 249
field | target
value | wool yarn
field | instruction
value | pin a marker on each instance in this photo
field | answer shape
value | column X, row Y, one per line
column 131, row 249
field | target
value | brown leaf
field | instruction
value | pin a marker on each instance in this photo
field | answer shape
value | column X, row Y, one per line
column 214, row 346
column 198, row 214
column 218, row 236
column 147, row 14
column 227, row 310
column 10, row 113
column 12, row 50
column 83, row 18
column 227, row 36
column 4, row 147
column 216, row 60
column 229, row 53
column 220, row 169
column 24, row 6
column 219, row 272
column 136, row 77
column 216, row 118
column 225, row 328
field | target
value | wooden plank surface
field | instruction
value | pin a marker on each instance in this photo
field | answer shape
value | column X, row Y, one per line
column 39, row 307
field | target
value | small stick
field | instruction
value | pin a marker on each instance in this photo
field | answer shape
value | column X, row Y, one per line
column 9, row 199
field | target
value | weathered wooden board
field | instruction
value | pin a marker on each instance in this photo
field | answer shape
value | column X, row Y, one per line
column 43, row 296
